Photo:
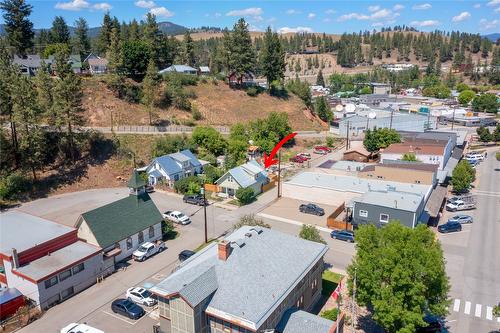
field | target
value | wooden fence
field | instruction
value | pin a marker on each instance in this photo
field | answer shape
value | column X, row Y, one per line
column 333, row 223
column 212, row 188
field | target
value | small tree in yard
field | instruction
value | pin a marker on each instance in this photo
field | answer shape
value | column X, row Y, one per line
column 484, row 134
column 245, row 195
column 496, row 310
column 330, row 314
column 386, row 265
column 330, row 141
column 466, row 96
column 462, row 177
column 250, row 220
column 410, row 157
column 311, row 233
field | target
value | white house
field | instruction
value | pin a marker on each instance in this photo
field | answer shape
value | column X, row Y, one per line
column 250, row 174
column 184, row 69
column 173, row 167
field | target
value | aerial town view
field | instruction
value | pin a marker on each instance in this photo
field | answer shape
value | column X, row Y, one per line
column 266, row 166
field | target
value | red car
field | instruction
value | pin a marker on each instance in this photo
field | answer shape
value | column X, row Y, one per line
column 297, row 159
column 324, row 148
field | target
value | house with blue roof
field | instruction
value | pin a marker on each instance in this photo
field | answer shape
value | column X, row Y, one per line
column 250, row 174
column 183, row 69
column 173, row 167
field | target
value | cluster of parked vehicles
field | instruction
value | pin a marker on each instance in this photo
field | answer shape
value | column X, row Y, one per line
column 474, row 158
column 304, row 157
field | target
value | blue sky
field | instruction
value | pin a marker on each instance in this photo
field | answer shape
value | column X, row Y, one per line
column 285, row 16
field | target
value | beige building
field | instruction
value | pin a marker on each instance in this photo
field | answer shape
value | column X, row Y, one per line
column 416, row 173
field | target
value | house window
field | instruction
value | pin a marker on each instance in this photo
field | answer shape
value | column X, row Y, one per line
column 417, row 181
column 129, row 243
column 176, row 177
column 67, row 293
column 51, row 282
column 230, row 179
column 64, row 275
column 384, row 218
column 78, row 268
column 363, row 213
column 151, row 232
column 140, row 237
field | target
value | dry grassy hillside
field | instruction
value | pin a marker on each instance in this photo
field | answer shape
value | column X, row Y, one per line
column 219, row 105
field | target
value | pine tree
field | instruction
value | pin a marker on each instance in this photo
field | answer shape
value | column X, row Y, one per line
column 187, row 55
column 17, row 25
column 150, row 88
column 272, row 58
column 114, row 53
column 322, row 109
column 240, row 50
column 44, row 85
column 67, row 102
column 152, row 36
column 104, row 37
column 320, row 81
column 27, row 115
column 81, row 40
column 59, row 33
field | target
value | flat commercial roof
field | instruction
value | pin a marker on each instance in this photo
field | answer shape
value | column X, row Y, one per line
column 397, row 200
column 58, row 260
column 23, row 231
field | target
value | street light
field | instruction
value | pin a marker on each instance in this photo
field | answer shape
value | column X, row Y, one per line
column 202, row 191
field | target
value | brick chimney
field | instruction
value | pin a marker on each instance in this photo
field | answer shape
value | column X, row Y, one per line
column 224, row 249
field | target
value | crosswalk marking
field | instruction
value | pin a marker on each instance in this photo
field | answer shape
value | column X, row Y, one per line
column 489, row 313
column 478, row 310
column 456, row 305
column 467, row 307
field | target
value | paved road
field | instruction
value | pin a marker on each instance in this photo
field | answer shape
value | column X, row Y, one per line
column 93, row 305
column 473, row 258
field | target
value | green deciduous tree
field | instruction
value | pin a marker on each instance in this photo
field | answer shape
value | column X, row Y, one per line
column 380, row 138
column 17, row 25
column 135, row 57
column 485, row 103
column 272, row 58
column 245, row 195
column 386, row 265
column 462, row 177
column 170, row 144
column 484, row 134
column 210, row 139
column 311, row 233
column 462, row 86
column 466, row 96
column 410, row 157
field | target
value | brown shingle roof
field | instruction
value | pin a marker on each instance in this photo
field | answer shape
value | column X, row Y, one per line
column 426, row 149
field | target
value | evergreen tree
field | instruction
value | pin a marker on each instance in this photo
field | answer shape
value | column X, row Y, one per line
column 67, row 102
column 322, row 109
column 104, row 37
column 27, row 115
column 241, row 54
column 17, row 25
column 187, row 55
column 114, row 53
column 150, row 88
column 320, row 81
column 152, row 37
column 81, row 41
column 44, row 85
column 59, row 33
column 272, row 58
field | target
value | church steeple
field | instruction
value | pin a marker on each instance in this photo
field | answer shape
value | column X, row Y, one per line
column 136, row 183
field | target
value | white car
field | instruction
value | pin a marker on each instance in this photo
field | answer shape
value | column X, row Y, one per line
column 474, row 156
column 176, row 217
column 140, row 296
column 80, row 328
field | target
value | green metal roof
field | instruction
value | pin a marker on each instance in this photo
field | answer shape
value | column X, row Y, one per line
column 136, row 181
column 120, row 219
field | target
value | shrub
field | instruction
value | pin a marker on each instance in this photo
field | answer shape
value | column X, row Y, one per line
column 462, row 87
column 311, row 233
column 330, row 141
column 184, row 185
column 330, row 314
column 196, row 113
column 13, row 186
column 250, row 220
column 168, row 230
column 252, row 91
column 245, row 195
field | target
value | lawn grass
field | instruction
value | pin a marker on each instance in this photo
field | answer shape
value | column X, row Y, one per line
column 204, row 245
column 330, row 280
column 235, row 202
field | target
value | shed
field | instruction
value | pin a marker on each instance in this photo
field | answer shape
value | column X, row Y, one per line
column 357, row 155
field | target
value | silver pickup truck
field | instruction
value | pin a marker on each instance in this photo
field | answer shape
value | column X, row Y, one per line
column 461, row 203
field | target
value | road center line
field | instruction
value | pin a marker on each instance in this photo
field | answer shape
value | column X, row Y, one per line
column 456, row 305
column 467, row 307
column 478, row 310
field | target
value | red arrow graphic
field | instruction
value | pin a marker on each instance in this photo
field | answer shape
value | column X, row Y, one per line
column 269, row 160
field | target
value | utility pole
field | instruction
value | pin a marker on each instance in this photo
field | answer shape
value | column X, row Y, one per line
column 392, row 113
column 353, row 313
column 429, row 119
column 205, row 211
column 453, row 119
column 347, row 142
column 279, row 174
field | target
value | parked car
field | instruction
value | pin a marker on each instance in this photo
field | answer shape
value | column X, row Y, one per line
column 186, row 254
column 297, row 159
column 79, row 328
column 306, row 156
column 195, row 200
column 461, row 218
column 127, row 308
column 311, row 209
column 324, row 148
column 147, row 250
column 474, row 156
column 450, row 227
column 140, row 296
column 344, row 235
column 149, row 188
column 473, row 163
column 320, row 152
column 176, row 217
column 460, row 205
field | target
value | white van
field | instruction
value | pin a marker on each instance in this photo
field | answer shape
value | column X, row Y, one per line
column 474, row 156
column 80, row 328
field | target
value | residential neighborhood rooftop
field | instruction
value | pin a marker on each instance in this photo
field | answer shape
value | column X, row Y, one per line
column 398, row 164
column 426, row 149
column 15, row 225
column 397, row 200
column 298, row 321
column 263, row 267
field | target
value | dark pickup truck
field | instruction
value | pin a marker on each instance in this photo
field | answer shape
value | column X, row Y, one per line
column 195, row 200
